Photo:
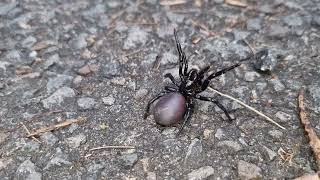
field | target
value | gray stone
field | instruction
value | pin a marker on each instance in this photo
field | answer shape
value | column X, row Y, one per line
column 59, row 159
column 277, row 85
column 254, row 24
column 270, row 154
column 86, row 103
column 283, row 117
column 136, row 37
column 248, row 171
column 232, row 145
column 3, row 137
column 94, row 170
column 28, row 42
column 49, row 138
column 316, row 20
column 250, row 76
column 141, row 93
column 5, row 8
column 76, row 141
column 276, row 134
column 109, row 100
column 111, row 69
column 293, row 20
column 121, row 81
column 80, row 41
column 58, row 81
column 174, row 17
column 238, row 36
column 219, row 134
column 95, row 11
column 201, row 173
column 314, row 91
column 58, row 97
column 265, row 61
column 52, row 60
column 33, row 54
column 13, row 56
column 194, row 151
column 4, row 162
column 128, row 160
column 27, row 170
column 168, row 57
column 266, row 8
column 278, row 31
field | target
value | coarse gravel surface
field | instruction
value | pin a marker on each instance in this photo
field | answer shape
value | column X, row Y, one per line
column 103, row 60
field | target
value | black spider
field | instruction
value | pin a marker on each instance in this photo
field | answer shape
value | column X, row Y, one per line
column 176, row 103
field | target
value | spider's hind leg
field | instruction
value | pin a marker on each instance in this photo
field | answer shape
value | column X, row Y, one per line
column 146, row 113
column 216, row 102
column 187, row 115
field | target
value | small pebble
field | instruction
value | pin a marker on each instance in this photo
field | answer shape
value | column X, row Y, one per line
column 118, row 81
column 109, row 100
column 248, row 171
column 86, row 103
column 23, row 70
column 141, row 93
column 201, row 173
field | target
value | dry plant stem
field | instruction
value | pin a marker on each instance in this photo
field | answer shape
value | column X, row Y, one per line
column 236, row 3
column 55, row 126
column 28, row 132
column 314, row 140
column 248, row 107
column 172, row 2
column 112, row 147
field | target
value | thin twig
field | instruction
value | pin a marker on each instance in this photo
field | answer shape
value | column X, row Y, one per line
column 172, row 2
column 55, row 126
column 249, row 107
column 112, row 147
column 314, row 140
column 28, row 132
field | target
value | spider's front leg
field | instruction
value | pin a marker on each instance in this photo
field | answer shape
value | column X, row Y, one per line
column 183, row 64
column 210, row 99
column 170, row 76
column 187, row 115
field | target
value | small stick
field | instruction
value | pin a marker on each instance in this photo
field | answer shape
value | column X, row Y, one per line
column 172, row 2
column 28, row 132
column 314, row 141
column 54, row 127
column 249, row 107
column 112, row 147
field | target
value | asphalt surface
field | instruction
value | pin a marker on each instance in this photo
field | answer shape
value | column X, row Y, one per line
column 101, row 61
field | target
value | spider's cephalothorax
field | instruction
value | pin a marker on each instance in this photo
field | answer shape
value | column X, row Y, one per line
column 176, row 102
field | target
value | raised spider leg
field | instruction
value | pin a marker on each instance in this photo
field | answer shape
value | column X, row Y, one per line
column 210, row 99
column 187, row 115
column 182, row 57
column 206, row 82
column 146, row 113
column 169, row 75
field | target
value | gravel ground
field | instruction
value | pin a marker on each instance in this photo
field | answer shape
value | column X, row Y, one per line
column 102, row 60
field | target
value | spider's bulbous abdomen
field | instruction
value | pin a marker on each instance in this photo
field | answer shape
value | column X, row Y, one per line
column 169, row 109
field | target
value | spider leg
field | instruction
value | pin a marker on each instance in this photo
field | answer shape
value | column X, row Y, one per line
column 182, row 57
column 169, row 75
column 187, row 115
column 216, row 74
column 146, row 113
column 210, row 99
